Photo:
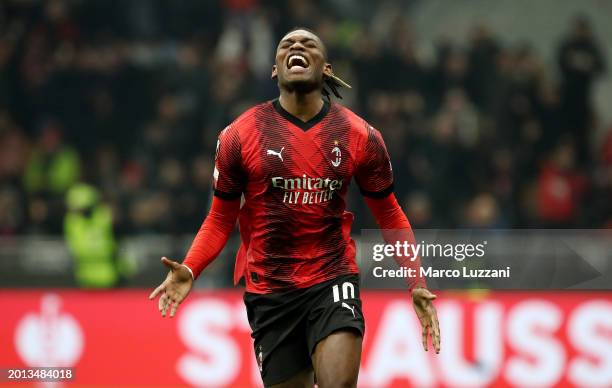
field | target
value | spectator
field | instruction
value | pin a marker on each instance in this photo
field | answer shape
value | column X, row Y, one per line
column 88, row 229
column 581, row 62
column 560, row 189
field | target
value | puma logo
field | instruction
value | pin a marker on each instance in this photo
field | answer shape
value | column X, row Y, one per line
column 352, row 308
column 279, row 153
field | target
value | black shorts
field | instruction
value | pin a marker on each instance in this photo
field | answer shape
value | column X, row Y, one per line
column 287, row 326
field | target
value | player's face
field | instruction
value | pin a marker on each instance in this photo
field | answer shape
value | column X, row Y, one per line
column 300, row 61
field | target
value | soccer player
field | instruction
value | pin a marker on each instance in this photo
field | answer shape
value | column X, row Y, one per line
column 293, row 159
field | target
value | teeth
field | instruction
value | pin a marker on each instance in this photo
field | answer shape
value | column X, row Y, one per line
column 299, row 58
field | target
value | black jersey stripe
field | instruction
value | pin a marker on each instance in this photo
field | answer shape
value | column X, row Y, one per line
column 377, row 194
column 227, row 196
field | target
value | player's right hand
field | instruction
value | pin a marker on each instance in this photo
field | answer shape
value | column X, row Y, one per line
column 174, row 289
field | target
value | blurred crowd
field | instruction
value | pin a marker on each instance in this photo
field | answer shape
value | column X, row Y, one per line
column 129, row 96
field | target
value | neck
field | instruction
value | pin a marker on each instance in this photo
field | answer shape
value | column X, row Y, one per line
column 304, row 106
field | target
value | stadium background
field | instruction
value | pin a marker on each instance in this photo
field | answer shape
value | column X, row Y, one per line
column 496, row 115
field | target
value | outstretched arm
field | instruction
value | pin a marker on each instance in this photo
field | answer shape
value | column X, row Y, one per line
column 395, row 227
column 213, row 234
column 206, row 246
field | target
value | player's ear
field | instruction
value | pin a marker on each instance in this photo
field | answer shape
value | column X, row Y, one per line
column 274, row 72
column 327, row 69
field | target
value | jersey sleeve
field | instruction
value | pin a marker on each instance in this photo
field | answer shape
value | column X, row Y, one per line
column 374, row 174
column 229, row 179
column 396, row 228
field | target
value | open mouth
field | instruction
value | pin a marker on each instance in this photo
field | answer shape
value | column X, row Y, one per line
column 297, row 62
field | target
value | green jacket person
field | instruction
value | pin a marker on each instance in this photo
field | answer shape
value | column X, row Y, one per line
column 88, row 229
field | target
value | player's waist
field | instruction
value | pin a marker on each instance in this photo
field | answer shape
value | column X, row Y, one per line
column 266, row 283
column 282, row 272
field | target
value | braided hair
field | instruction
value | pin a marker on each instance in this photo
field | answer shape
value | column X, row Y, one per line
column 331, row 84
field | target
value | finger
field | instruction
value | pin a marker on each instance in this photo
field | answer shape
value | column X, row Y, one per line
column 162, row 302
column 156, row 291
column 436, row 334
column 437, row 326
column 169, row 263
column 166, row 306
column 424, row 337
column 174, row 308
column 436, row 342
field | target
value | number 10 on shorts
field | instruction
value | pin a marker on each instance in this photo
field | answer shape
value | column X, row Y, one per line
column 348, row 291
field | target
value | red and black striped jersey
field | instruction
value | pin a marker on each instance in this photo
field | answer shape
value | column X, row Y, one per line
column 294, row 175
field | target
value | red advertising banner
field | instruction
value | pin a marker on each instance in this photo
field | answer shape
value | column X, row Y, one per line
column 490, row 339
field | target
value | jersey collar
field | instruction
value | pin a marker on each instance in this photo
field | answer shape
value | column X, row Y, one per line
column 304, row 125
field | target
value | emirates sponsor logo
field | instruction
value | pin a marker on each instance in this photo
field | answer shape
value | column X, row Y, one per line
column 307, row 190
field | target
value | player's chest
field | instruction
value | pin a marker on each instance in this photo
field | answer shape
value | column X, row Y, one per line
column 318, row 154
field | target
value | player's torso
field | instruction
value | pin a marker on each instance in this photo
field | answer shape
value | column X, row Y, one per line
column 294, row 218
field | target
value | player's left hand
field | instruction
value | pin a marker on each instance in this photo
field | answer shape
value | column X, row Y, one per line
column 425, row 310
